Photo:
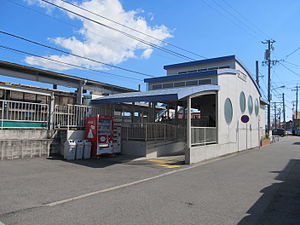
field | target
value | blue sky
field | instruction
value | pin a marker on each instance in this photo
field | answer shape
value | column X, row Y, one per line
column 210, row 28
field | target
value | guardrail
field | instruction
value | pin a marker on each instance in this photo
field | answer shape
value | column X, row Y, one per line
column 152, row 131
column 203, row 135
column 12, row 113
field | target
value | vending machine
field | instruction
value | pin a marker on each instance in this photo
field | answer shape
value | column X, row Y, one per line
column 99, row 131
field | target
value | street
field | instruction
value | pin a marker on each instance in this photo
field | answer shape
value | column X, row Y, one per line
column 251, row 187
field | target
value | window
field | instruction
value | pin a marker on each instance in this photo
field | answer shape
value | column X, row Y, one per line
column 179, row 84
column 183, row 72
column 156, row 86
column 206, row 81
column 250, row 104
column 242, row 102
column 192, row 71
column 168, row 85
column 224, row 67
column 191, row 83
column 228, row 111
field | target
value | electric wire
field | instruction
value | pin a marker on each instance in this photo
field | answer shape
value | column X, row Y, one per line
column 132, row 29
column 76, row 55
column 234, row 17
column 247, row 21
column 232, row 20
column 65, row 63
column 297, row 74
column 122, row 32
column 288, row 55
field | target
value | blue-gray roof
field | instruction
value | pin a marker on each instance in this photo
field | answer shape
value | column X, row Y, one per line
column 161, row 95
column 200, row 62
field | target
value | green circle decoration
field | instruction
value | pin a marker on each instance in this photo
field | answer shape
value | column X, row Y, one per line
column 250, row 104
column 242, row 102
column 256, row 107
column 228, row 110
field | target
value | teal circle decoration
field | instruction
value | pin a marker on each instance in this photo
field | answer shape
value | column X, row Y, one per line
column 256, row 107
column 228, row 111
column 250, row 104
column 242, row 102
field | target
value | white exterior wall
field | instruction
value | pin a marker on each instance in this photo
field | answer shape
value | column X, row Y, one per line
column 244, row 135
column 235, row 136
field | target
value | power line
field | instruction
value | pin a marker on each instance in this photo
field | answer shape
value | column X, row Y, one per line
column 122, row 32
column 79, row 56
column 130, row 28
column 58, row 20
column 292, row 71
column 73, row 25
column 293, row 64
column 288, row 55
column 234, row 17
column 65, row 63
column 233, row 21
column 244, row 18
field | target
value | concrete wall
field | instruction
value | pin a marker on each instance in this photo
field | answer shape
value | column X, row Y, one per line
column 152, row 149
column 202, row 153
column 57, row 147
column 136, row 148
column 24, row 143
column 22, row 134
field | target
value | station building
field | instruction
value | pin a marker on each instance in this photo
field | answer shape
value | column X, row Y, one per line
column 203, row 103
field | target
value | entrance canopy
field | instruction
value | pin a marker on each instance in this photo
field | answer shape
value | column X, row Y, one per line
column 161, row 95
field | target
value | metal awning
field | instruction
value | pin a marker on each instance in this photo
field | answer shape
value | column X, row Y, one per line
column 161, row 95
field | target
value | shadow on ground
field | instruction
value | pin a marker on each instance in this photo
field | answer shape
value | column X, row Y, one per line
column 100, row 162
column 296, row 143
column 280, row 202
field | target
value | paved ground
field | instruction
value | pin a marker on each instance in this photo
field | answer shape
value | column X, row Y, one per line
column 254, row 187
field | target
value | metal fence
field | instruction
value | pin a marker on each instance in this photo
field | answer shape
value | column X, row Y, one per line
column 73, row 116
column 203, row 135
column 15, row 111
column 26, row 114
column 152, row 131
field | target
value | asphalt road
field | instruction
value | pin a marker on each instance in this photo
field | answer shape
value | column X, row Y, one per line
column 253, row 187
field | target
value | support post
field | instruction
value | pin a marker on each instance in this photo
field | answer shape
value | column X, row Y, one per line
column 275, row 115
column 283, row 102
column 51, row 112
column 188, row 134
column 80, row 92
column 2, row 116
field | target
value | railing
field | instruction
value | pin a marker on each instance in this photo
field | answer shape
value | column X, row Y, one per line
column 203, row 135
column 152, row 131
column 73, row 116
column 15, row 111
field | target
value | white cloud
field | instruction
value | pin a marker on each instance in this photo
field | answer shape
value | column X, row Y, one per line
column 100, row 43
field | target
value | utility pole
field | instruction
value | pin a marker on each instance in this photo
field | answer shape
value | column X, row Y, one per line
column 283, row 105
column 275, row 115
column 269, row 62
column 297, row 88
column 296, row 109
column 257, row 73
